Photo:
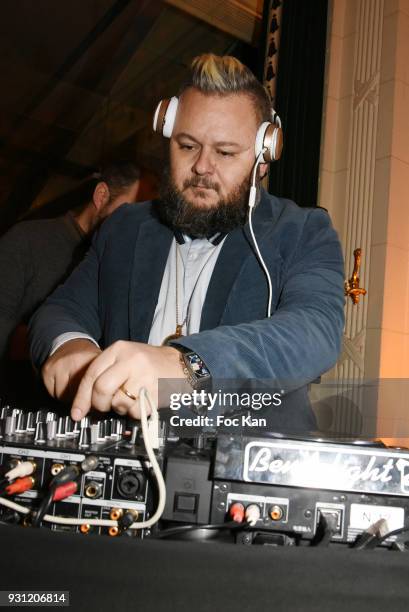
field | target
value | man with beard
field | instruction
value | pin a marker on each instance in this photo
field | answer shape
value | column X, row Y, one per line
column 177, row 291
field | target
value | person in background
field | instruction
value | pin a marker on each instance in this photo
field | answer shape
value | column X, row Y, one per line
column 38, row 255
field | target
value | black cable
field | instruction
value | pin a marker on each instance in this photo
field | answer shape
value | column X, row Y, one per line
column 390, row 534
column 68, row 474
column 326, row 529
column 370, row 538
column 125, row 521
column 232, row 525
column 43, row 507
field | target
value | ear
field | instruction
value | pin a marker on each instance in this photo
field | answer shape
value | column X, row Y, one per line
column 100, row 196
column 262, row 170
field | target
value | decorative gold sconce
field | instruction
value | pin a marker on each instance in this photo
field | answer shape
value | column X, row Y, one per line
column 352, row 288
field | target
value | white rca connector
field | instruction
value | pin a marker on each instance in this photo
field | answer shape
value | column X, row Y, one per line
column 252, row 514
column 25, row 468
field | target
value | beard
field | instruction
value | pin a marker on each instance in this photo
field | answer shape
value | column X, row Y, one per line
column 178, row 213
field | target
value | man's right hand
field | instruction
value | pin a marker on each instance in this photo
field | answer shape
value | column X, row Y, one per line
column 63, row 371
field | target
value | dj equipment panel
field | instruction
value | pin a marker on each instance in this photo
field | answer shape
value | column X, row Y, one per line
column 120, row 481
column 297, row 482
column 282, row 490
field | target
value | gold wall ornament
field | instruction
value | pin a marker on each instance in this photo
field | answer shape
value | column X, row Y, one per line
column 352, row 288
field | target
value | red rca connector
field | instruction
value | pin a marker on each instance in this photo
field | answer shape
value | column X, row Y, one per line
column 65, row 490
column 236, row 512
column 252, row 514
column 20, row 485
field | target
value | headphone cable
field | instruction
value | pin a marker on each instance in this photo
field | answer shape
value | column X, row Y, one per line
column 251, row 203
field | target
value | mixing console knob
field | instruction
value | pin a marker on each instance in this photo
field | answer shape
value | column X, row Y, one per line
column 85, row 437
column 134, row 434
column 69, row 426
column 84, row 422
column 51, row 430
column 101, row 431
column 40, row 434
column 94, row 433
column 61, row 427
column 115, row 428
column 108, row 429
column 30, row 425
column 5, row 412
column 21, row 423
column 10, row 427
column 40, row 416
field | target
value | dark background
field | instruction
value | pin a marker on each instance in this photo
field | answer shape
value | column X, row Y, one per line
column 80, row 81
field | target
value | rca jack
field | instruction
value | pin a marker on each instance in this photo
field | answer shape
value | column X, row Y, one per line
column 276, row 513
column 113, row 531
column 85, row 528
column 56, row 468
column 116, row 514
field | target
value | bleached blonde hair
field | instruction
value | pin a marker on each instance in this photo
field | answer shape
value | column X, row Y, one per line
column 223, row 75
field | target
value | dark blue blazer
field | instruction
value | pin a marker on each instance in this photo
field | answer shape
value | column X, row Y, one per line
column 113, row 294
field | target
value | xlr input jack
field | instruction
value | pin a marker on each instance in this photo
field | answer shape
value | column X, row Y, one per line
column 130, row 483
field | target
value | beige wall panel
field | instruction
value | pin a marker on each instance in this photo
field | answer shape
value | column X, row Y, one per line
column 381, row 200
column 385, row 122
column 389, row 46
column 400, row 141
column 402, row 57
column 372, row 353
column 395, row 299
column 376, row 286
column 340, row 181
column 391, row 6
column 392, row 364
column 343, row 17
column 330, row 126
column 398, row 209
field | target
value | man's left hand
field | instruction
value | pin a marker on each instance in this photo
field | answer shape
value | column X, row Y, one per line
column 130, row 365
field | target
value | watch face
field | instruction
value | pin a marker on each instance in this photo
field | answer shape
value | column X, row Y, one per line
column 197, row 366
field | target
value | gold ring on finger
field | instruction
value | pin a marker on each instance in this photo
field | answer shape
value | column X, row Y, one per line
column 128, row 393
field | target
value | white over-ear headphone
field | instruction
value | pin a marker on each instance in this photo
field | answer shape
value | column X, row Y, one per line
column 269, row 138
